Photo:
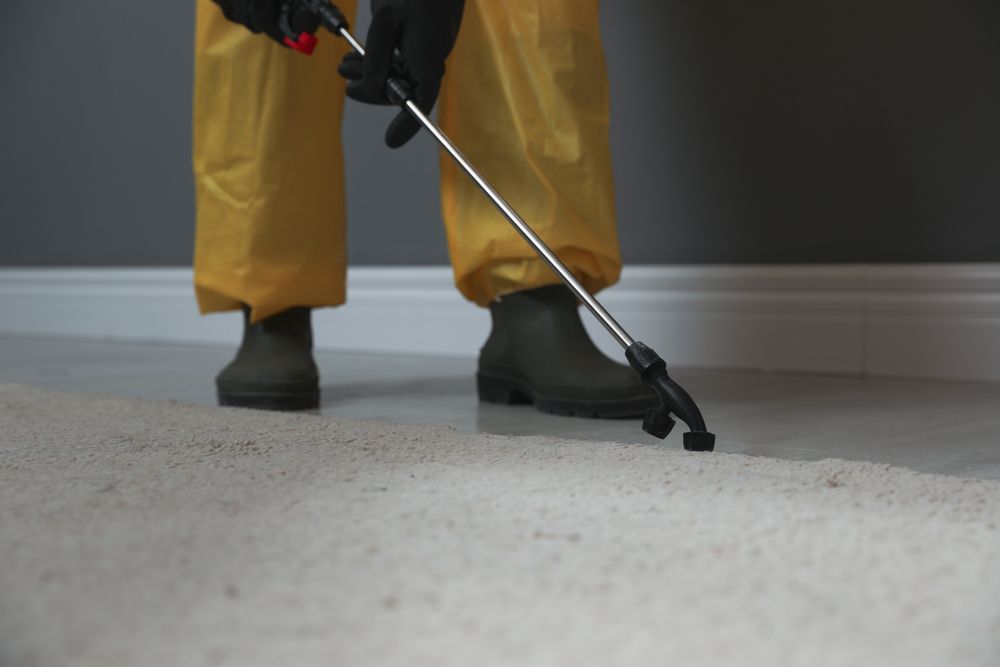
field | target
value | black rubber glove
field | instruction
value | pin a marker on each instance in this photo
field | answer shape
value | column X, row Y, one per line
column 424, row 32
column 263, row 16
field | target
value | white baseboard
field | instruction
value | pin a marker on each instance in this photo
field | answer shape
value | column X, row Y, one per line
column 935, row 320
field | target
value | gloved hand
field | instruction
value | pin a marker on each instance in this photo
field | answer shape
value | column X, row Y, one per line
column 424, row 32
column 263, row 16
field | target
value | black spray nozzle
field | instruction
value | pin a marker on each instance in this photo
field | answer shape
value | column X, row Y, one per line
column 673, row 400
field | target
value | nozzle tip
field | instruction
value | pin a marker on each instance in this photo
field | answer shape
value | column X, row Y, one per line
column 657, row 424
column 699, row 441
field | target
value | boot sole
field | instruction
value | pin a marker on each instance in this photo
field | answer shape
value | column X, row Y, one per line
column 511, row 391
column 279, row 402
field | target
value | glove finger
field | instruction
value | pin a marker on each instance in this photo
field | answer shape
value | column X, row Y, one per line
column 351, row 66
column 425, row 93
column 275, row 33
column 380, row 48
column 356, row 91
column 402, row 128
column 264, row 16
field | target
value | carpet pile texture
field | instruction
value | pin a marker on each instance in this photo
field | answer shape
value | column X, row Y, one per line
column 152, row 533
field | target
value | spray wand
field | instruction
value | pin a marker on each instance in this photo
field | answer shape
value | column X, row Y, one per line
column 643, row 360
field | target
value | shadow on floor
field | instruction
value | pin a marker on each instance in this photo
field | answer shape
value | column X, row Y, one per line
column 405, row 388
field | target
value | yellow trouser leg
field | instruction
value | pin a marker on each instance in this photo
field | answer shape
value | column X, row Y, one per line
column 526, row 99
column 269, row 170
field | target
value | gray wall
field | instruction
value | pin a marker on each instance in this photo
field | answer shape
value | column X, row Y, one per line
column 859, row 130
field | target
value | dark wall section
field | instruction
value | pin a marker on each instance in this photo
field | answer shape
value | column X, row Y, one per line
column 95, row 132
column 809, row 132
column 861, row 130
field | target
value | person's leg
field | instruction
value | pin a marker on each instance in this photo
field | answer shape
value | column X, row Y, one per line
column 269, row 171
column 526, row 98
column 270, row 234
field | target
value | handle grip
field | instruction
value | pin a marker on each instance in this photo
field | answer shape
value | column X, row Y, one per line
column 296, row 13
column 398, row 91
column 299, row 20
column 329, row 14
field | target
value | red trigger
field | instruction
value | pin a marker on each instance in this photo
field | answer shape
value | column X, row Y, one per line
column 306, row 43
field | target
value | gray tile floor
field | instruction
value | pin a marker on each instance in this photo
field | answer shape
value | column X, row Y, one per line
column 942, row 427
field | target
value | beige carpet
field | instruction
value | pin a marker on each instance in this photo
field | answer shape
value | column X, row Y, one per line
column 147, row 533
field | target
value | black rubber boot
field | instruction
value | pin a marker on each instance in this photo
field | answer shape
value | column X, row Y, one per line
column 538, row 352
column 274, row 367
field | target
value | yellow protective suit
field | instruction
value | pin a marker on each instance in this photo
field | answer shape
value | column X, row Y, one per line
column 525, row 97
